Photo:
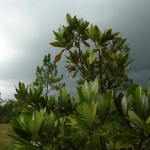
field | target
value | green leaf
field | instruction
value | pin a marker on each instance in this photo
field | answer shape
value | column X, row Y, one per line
column 148, row 121
column 92, row 57
column 18, row 138
column 69, row 19
column 92, row 97
column 94, row 86
column 145, row 106
column 106, row 55
column 16, row 123
column 135, row 119
column 78, row 122
column 49, row 123
column 81, row 95
column 82, row 123
column 73, row 121
column 95, row 110
column 85, row 110
column 130, row 101
column 36, row 122
column 56, row 44
column 86, row 90
column 104, row 106
column 75, row 73
column 39, row 90
column 103, row 131
column 90, row 32
column 147, row 130
column 124, row 105
column 106, row 36
column 137, row 99
column 71, row 68
column 124, row 142
column 86, row 44
column 52, row 118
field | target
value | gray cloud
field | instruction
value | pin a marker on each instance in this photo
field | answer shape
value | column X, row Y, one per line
column 27, row 28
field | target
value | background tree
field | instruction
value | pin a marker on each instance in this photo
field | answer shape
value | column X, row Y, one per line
column 94, row 54
column 1, row 100
column 9, row 109
column 46, row 75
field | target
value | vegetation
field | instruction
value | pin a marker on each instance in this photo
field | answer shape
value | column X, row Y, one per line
column 100, row 117
column 46, row 75
column 94, row 54
column 89, row 122
column 1, row 101
column 9, row 109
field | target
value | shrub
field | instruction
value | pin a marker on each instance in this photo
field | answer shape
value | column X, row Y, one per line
column 89, row 122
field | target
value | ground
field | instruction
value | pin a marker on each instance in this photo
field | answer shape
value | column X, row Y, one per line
column 5, row 140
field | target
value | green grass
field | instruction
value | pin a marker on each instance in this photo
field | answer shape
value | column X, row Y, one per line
column 5, row 140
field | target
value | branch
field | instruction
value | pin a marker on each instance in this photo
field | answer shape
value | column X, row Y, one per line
column 100, row 72
column 80, row 69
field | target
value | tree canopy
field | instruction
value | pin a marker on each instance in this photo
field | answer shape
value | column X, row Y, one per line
column 46, row 75
column 93, row 53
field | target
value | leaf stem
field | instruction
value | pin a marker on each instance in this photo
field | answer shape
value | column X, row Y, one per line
column 90, row 139
column 80, row 69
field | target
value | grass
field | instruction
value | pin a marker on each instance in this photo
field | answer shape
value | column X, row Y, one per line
column 5, row 140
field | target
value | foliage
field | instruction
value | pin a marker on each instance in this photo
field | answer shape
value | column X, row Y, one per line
column 34, row 98
column 46, row 75
column 90, row 121
column 8, row 110
column 94, row 54
column 1, row 100
column 98, row 118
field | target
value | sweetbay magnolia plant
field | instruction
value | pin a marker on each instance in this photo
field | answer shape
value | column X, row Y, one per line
column 92, row 121
column 94, row 54
column 89, row 122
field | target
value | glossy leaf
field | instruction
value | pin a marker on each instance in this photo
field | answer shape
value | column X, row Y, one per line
column 124, row 105
column 104, row 106
column 92, row 57
column 147, row 130
column 134, row 118
column 81, row 95
column 148, row 121
column 75, row 73
column 125, row 142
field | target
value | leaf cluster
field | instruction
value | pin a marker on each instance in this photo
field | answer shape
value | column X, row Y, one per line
column 90, row 121
column 93, row 53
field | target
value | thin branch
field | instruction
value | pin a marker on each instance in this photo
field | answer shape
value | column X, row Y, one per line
column 100, row 72
column 102, row 143
column 80, row 54
column 80, row 69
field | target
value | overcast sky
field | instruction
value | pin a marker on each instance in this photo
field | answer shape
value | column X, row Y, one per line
column 26, row 28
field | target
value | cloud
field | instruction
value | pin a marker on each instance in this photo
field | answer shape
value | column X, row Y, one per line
column 141, row 77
